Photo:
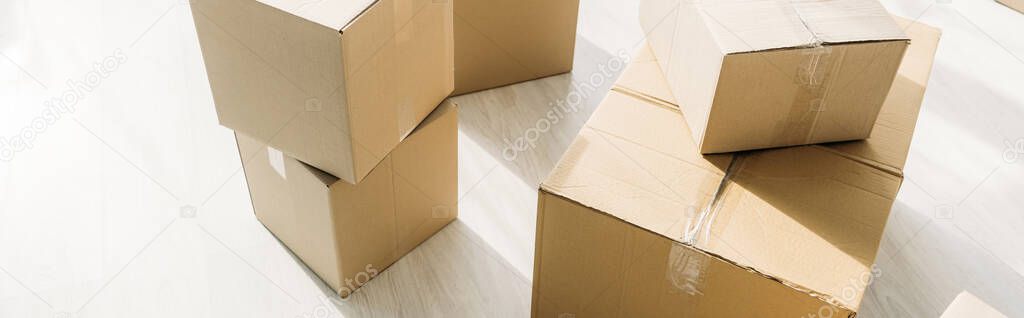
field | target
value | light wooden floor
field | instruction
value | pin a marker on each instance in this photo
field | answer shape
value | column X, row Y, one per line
column 92, row 222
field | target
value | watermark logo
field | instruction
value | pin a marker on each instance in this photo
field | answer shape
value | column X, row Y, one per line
column 849, row 293
column 314, row 105
column 945, row 212
column 60, row 106
column 359, row 279
column 325, row 309
column 560, row 109
column 442, row 212
column 187, row 211
column 1013, row 151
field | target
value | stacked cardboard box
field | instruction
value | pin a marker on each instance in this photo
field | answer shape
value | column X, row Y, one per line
column 348, row 147
column 501, row 42
column 347, row 233
column 765, row 73
column 349, row 159
column 635, row 222
column 335, row 83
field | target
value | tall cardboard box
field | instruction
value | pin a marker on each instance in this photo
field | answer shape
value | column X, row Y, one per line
column 334, row 83
column 764, row 73
column 501, row 42
column 633, row 222
column 348, row 233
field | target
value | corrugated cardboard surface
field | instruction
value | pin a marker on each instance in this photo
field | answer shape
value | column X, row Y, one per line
column 643, row 76
column 334, row 14
column 595, row 265
column 501, row 42
column 631, row 220
column 839, row 99
column 763, row 74
column 614, row 218
column 339, row 229
column 337, row 84
column 1013, row 4
column 889, row 143
column 887, row 146
column 803, row 215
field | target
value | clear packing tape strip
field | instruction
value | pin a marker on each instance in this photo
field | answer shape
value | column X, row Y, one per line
column 688, row 265
column 814, row 79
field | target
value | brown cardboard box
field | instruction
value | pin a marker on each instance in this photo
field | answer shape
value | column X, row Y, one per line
column 334, row 83
column 501, row 42
column 1013, row 4
column 893, row 129
column 348, row 233
column 761, row 74
column 632, row 222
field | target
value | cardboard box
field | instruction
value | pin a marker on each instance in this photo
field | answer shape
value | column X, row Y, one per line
column 1013, row 4
column 348, row 233
column 762, row 74
column 501, row 42
column 633, row 222
column 335, row 83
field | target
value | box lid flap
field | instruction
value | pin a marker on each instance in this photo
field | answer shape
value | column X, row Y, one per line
column 335, row 14
column 804, row 215
column 740, row 26
column 643, row 76
column 634, row 160
column 889, row 144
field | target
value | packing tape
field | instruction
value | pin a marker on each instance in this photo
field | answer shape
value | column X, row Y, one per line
column 687, row 270
column 687, row 267
column 700, row 225
column 813, row 81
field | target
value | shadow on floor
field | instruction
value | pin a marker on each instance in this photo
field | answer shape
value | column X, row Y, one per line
column 527, row 126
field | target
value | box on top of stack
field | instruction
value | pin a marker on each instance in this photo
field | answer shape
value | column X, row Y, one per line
column 501, row 42
column 348, row 233
column 334, row 83
column 767, row 73
column 634, row 222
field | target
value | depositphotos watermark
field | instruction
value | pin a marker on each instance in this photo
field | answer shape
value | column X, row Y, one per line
column 325, row 308
column 527, row 140
column 60, row 105
column 359, row 279
column 849, row 293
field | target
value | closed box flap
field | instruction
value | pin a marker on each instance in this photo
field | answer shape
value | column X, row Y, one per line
column 749, row 26
column 631, row 161
column 889, row 144
column 804, row 215
column 334, row 14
